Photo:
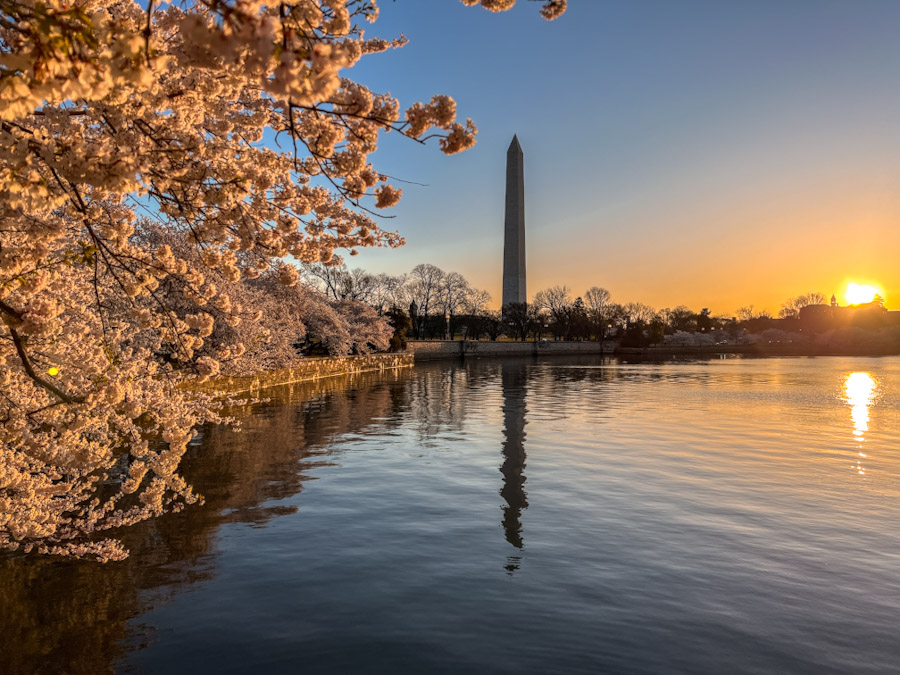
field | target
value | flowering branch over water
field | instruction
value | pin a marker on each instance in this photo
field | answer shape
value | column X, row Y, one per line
column 231, row 127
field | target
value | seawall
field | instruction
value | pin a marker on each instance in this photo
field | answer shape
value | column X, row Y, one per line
column 688, row 350
column 430, row 350
column 308, row 370
column 758, row 350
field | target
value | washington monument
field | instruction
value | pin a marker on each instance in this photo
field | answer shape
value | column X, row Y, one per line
column 514, row 229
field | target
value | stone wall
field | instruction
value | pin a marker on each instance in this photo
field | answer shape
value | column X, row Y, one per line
column 688, row 350
column 428, row 350
column 309, row 369
column 765, row 349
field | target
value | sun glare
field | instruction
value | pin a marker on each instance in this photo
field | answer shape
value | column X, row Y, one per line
column 858, row 294
column 860, row 389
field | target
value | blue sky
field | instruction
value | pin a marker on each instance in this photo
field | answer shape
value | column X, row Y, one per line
column 701, row 152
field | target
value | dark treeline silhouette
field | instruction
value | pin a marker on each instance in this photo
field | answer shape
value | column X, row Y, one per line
column 429, row 303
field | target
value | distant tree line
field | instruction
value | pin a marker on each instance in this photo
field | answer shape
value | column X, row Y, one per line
column 429, row 303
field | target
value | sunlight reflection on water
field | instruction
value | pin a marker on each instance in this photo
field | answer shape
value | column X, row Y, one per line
column 860, row 388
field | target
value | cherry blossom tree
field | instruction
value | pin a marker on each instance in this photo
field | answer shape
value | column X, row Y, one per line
column 367, row 331
column 110, row 110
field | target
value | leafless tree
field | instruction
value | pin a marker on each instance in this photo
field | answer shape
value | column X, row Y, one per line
column 597, row 304
column 424, row 288
column 556, row 300
column 792, row 306
column 638, row 311
column 476, row 302
column 596, row 298
column 340, row 283
column 387, row 291
column 453, row 291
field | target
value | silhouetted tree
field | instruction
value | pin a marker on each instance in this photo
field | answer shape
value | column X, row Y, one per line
column 425, row 290
column 656, row 330
column 493, row 325
column 748, row 313
column 641, row 333
column 599, row 308
column 616, row 320
column 681, row 318
column 638, row 311
column 579, row 324
column 401, row 324
column 338, row 282
column 704, row 321
column 558, row 302
column 454, row 289
column 518, row 320
column 792, row 306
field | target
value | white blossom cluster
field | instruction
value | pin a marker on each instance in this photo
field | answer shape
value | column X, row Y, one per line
column 550, row 10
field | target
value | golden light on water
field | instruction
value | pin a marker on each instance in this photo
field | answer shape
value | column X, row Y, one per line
column 859, row 294
column 859, row 389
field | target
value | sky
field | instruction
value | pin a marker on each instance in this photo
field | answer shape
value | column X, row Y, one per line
column 706, row 153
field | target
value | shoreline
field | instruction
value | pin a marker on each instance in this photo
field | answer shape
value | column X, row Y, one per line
column 750, row 350
column 431, row 350
column 335, row 366
column 306, row 371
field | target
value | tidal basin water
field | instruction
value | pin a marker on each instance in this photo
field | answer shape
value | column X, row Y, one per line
column 721, row 516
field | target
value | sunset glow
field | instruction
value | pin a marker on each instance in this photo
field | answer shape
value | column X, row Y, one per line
column 858, row 294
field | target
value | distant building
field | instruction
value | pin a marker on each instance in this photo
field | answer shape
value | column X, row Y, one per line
column 820, row 318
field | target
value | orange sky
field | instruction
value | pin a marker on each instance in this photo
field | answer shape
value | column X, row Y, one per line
column 699, row 243
column 699, row 153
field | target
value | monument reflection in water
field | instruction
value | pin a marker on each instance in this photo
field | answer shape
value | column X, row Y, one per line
column 513, row 378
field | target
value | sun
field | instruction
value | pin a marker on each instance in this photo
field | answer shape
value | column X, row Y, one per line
column 860, row 294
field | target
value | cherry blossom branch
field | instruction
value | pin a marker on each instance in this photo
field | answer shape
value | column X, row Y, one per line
column 19, row 343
